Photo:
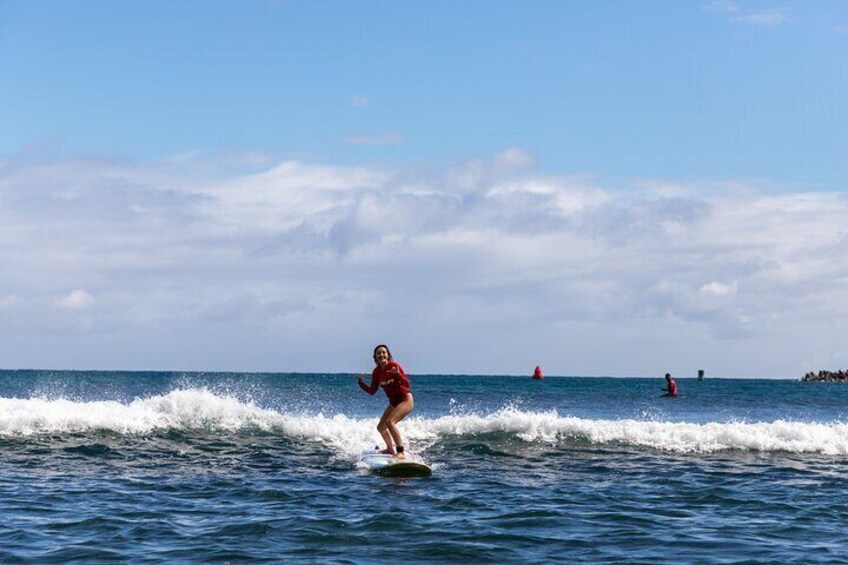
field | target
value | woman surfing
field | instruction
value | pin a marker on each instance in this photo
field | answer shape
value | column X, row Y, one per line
column 389, row 375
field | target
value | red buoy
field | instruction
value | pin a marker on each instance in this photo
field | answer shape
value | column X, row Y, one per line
column 537, row 373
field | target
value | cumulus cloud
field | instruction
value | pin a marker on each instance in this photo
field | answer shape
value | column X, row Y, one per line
column 483, row 266
column 514, row 158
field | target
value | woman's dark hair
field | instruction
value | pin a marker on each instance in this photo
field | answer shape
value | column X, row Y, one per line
column 389, row 351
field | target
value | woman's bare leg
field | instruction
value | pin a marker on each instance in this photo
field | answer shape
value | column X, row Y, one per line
column 397, row 414
column 383, row 428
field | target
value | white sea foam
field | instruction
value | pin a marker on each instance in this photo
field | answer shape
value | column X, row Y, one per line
column 202, row 410
column 179, row 409
column 550, row 427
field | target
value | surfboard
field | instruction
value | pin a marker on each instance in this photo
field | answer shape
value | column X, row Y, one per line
column 390, row 466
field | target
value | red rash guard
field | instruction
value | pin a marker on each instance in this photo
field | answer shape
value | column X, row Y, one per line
column 393, row 380
column 672, row 388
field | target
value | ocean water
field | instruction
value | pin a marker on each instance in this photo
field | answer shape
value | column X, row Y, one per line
column 251, row 468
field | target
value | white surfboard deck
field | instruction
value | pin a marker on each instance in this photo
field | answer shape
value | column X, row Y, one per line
column 390, row 466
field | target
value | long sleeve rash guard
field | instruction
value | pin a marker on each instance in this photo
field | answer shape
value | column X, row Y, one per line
column 393, row 380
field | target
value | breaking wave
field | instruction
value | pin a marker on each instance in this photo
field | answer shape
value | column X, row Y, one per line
column 203, row 411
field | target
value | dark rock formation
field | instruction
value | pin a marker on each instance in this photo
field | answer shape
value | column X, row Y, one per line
column 827, row 377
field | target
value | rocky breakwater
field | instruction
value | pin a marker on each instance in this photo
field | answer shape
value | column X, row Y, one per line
column 827, row 377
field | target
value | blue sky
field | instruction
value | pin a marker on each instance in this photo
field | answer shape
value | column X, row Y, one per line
column 680, row 89
column 655, row 184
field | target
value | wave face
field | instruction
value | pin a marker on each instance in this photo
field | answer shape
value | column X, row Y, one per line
column 201, row 411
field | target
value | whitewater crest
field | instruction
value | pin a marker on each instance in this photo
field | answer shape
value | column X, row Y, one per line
column 201, row 410
column 189, row 410
column 678, row 437
column 179, row 409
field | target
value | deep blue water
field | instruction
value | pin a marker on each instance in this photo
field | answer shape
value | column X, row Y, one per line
column 215, row 467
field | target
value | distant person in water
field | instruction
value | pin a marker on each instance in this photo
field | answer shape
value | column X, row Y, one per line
column 389, row 375
column 671, row 389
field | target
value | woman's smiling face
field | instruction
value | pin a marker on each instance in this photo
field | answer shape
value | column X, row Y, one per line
column 381, row 356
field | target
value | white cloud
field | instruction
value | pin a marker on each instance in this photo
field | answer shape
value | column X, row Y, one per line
column 717, row 289
column 476, row 267
column 514, row 158
column 75, row 300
